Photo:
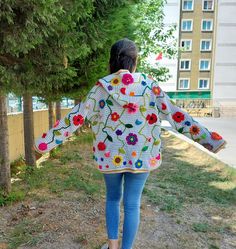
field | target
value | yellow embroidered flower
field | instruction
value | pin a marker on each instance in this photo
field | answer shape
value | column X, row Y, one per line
column 117, row 160
column 115, row 81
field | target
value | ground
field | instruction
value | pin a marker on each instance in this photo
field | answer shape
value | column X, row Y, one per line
column 188, row 203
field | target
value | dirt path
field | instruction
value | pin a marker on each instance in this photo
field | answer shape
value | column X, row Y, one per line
column 52, row 218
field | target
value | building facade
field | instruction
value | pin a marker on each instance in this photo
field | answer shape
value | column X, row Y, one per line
column 204, row 70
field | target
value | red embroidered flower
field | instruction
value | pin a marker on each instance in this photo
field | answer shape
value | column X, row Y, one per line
column 215, row 136
column 98, row 84
column 127, row 79
column 156, row 90
column 131, row 108
column 44, row 135
column 178, row 117
column 115, row 116
column 163, row 106
column 101, row 146
column 78, row 119
column 194, row 130
column 151, row 118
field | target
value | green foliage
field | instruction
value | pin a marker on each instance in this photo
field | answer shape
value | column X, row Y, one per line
column 153, row 37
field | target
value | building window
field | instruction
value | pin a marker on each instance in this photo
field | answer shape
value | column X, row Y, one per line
column 207, row 25
column 187, row 25
column 187, row 5
column 203, row 83
column 186, row 45
column 185, row 65
column 208, row 5
column 205, row 45
column 184, row 83
column 204, row 64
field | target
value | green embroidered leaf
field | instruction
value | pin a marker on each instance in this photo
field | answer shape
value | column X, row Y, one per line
column 121, row 150
column 67, row 121
column 109, row 138
column 57, row 133
column 180, row 130
column 95, row 123
column 144, row 76
column 156, row 142
column 142, row 109
column 129, row 126
column 144, row 148
column 197, row 140
column 203, row 136
column 109, row 102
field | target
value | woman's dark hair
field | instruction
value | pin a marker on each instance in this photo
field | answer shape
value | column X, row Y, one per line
column 123, row 55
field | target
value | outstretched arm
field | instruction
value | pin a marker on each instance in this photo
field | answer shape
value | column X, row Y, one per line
column 67, row 125
column 182, row 122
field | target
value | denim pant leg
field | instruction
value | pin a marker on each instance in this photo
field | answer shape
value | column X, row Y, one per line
column 113, row 196
column 133, row 188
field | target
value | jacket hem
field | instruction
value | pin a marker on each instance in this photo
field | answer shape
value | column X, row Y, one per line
column 128, row 170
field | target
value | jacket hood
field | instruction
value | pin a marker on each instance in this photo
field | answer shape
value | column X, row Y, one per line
column 127, row 87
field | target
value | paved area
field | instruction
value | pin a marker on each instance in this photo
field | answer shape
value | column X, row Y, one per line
column 226, row 127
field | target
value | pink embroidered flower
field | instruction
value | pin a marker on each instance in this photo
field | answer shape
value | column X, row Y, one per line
column 127, row 79
column 43, row 146
column 158, row 157
column 153, row 162
column 131, row 108
column 66, row 134
column 56, row 124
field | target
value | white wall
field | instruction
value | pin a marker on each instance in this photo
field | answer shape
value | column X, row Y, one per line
column 224, row 89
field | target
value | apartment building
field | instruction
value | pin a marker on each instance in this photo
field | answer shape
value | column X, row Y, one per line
column 204, row 72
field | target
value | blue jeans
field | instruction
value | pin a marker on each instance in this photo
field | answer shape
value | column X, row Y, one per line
column 132, row 192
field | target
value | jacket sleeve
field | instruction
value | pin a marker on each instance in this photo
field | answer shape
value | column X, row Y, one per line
column 182, row 122
column 68, row 124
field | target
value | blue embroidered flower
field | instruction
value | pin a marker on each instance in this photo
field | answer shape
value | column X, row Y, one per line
column 152, row 103
column 144, row 83
column 102, row 103
column 124, row 163
column 139, row 164
column 187, row 123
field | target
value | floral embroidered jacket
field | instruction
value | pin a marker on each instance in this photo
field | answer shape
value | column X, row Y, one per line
column 125, row 111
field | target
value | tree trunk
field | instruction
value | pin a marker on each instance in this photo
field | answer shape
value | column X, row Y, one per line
column 50, row 115
column 5, row 171
column 28, row 130
column 58, row 110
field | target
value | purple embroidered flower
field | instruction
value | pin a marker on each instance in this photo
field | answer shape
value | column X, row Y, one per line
column 187, row 123
column 110, row 88
column 119, row 132
column 132, row 139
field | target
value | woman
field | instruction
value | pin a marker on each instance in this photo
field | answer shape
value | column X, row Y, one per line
column 125, row 109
